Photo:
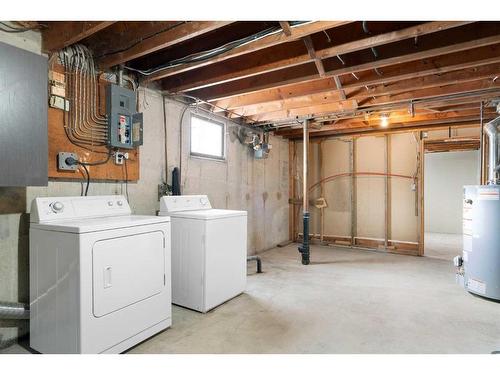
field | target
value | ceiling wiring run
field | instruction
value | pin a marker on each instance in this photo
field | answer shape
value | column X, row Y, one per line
column 206, row 55
column 5, row 27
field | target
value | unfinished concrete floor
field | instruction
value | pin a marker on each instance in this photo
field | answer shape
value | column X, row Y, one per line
column 444, row 246
column 346, row 301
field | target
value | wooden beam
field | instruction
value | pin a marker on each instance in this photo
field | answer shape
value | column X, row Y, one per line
column 401, row 121
column 287, row 30
column 60, row 34
column 298, row 32
column 271, row 62
column 312, row 55
column 162, row 40
column 468, row 87
column 420, row 68
column 293, row 75
column 344, row 106
column 314, row 106
column 399, row 127
column 451, row 78
column 391, row 37
column 336, row 79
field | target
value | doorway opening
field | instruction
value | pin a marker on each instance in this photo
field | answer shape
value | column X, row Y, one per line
column 446, row 171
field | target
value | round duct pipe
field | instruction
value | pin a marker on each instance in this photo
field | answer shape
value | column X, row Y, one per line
column 13, row 310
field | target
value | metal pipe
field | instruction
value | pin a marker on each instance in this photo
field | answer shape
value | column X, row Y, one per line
column 481, row 141
column 258, row 260
column 491, row 130
column 304, row 247
column 120, row 76
column 14, row 310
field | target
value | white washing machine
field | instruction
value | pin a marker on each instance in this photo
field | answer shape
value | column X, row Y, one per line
column 99, row 276
column 209, row 251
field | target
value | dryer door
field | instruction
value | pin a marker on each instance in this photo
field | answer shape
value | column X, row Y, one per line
column 127, row 270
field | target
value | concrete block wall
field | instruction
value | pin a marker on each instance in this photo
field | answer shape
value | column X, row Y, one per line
column 240, row 182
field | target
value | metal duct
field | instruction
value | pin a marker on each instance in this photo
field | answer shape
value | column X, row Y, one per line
column 13, row 310
column 491, row 130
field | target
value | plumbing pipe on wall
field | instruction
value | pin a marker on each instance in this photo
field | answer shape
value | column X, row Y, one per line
column 13, row 310
column 491, row 130
column 304, row 247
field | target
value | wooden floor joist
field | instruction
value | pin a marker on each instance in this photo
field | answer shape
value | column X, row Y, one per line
column 265, row 42
column 270, row 61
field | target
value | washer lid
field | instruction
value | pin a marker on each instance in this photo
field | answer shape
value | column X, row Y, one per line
column 99, row 224
column 206, row 214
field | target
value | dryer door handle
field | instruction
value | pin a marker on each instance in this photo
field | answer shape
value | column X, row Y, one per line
column 107, row 277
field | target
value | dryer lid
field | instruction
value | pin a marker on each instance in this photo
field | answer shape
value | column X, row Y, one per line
column 99, row 224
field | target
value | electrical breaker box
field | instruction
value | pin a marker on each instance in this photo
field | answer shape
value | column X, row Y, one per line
column 125, row 124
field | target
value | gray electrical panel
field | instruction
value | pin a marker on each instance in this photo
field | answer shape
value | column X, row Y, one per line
column 23, row 118
column 125, row 124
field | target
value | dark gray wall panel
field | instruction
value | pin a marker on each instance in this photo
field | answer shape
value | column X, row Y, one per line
column 23, row 117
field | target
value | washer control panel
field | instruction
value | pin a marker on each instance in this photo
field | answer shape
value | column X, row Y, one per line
column 175, row 203
column 55, row 208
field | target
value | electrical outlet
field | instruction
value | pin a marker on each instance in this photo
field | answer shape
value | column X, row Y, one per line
column 61, row 161
column 120, row 157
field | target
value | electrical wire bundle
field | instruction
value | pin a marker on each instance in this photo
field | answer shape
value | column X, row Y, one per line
column 5, row 27
column 84, row 124
column 206, row 55
column 84, row 165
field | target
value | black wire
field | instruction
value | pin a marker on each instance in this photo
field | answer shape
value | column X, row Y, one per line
column 81, row 183
column 100, row 162
column 140, row 41
column 208, row 54
column 126, row 179
column 88, row 178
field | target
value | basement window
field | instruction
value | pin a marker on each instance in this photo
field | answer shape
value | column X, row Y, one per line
column 208, row 138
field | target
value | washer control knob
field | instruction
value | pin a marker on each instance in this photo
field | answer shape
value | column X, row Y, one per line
column 57, row 206
column 204, row 201
column 119, row 203
column 110, row 203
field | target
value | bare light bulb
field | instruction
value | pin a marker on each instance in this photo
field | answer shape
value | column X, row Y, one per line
column 384, row 120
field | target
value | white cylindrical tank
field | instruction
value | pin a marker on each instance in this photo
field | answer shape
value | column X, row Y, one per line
column 481, row 240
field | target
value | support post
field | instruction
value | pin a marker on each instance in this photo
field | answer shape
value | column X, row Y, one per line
column 304, row 247
column 352, row 163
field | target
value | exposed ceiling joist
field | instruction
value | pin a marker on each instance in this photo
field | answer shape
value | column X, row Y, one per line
column 61, row 34
column 386, row 101
column 410, row 124
column 271, row 62
column 298, row 32
column 285, row 26
column 312, row 55
column 451, row 78
column 420, row 68
column 168, row 38
column 304, row 72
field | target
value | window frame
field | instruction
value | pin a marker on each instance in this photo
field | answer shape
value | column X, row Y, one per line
column 223, row 134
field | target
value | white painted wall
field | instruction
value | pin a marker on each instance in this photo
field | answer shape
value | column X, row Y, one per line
column 445, row 175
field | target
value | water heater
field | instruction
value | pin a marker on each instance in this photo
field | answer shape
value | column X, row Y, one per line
column 479, row 266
